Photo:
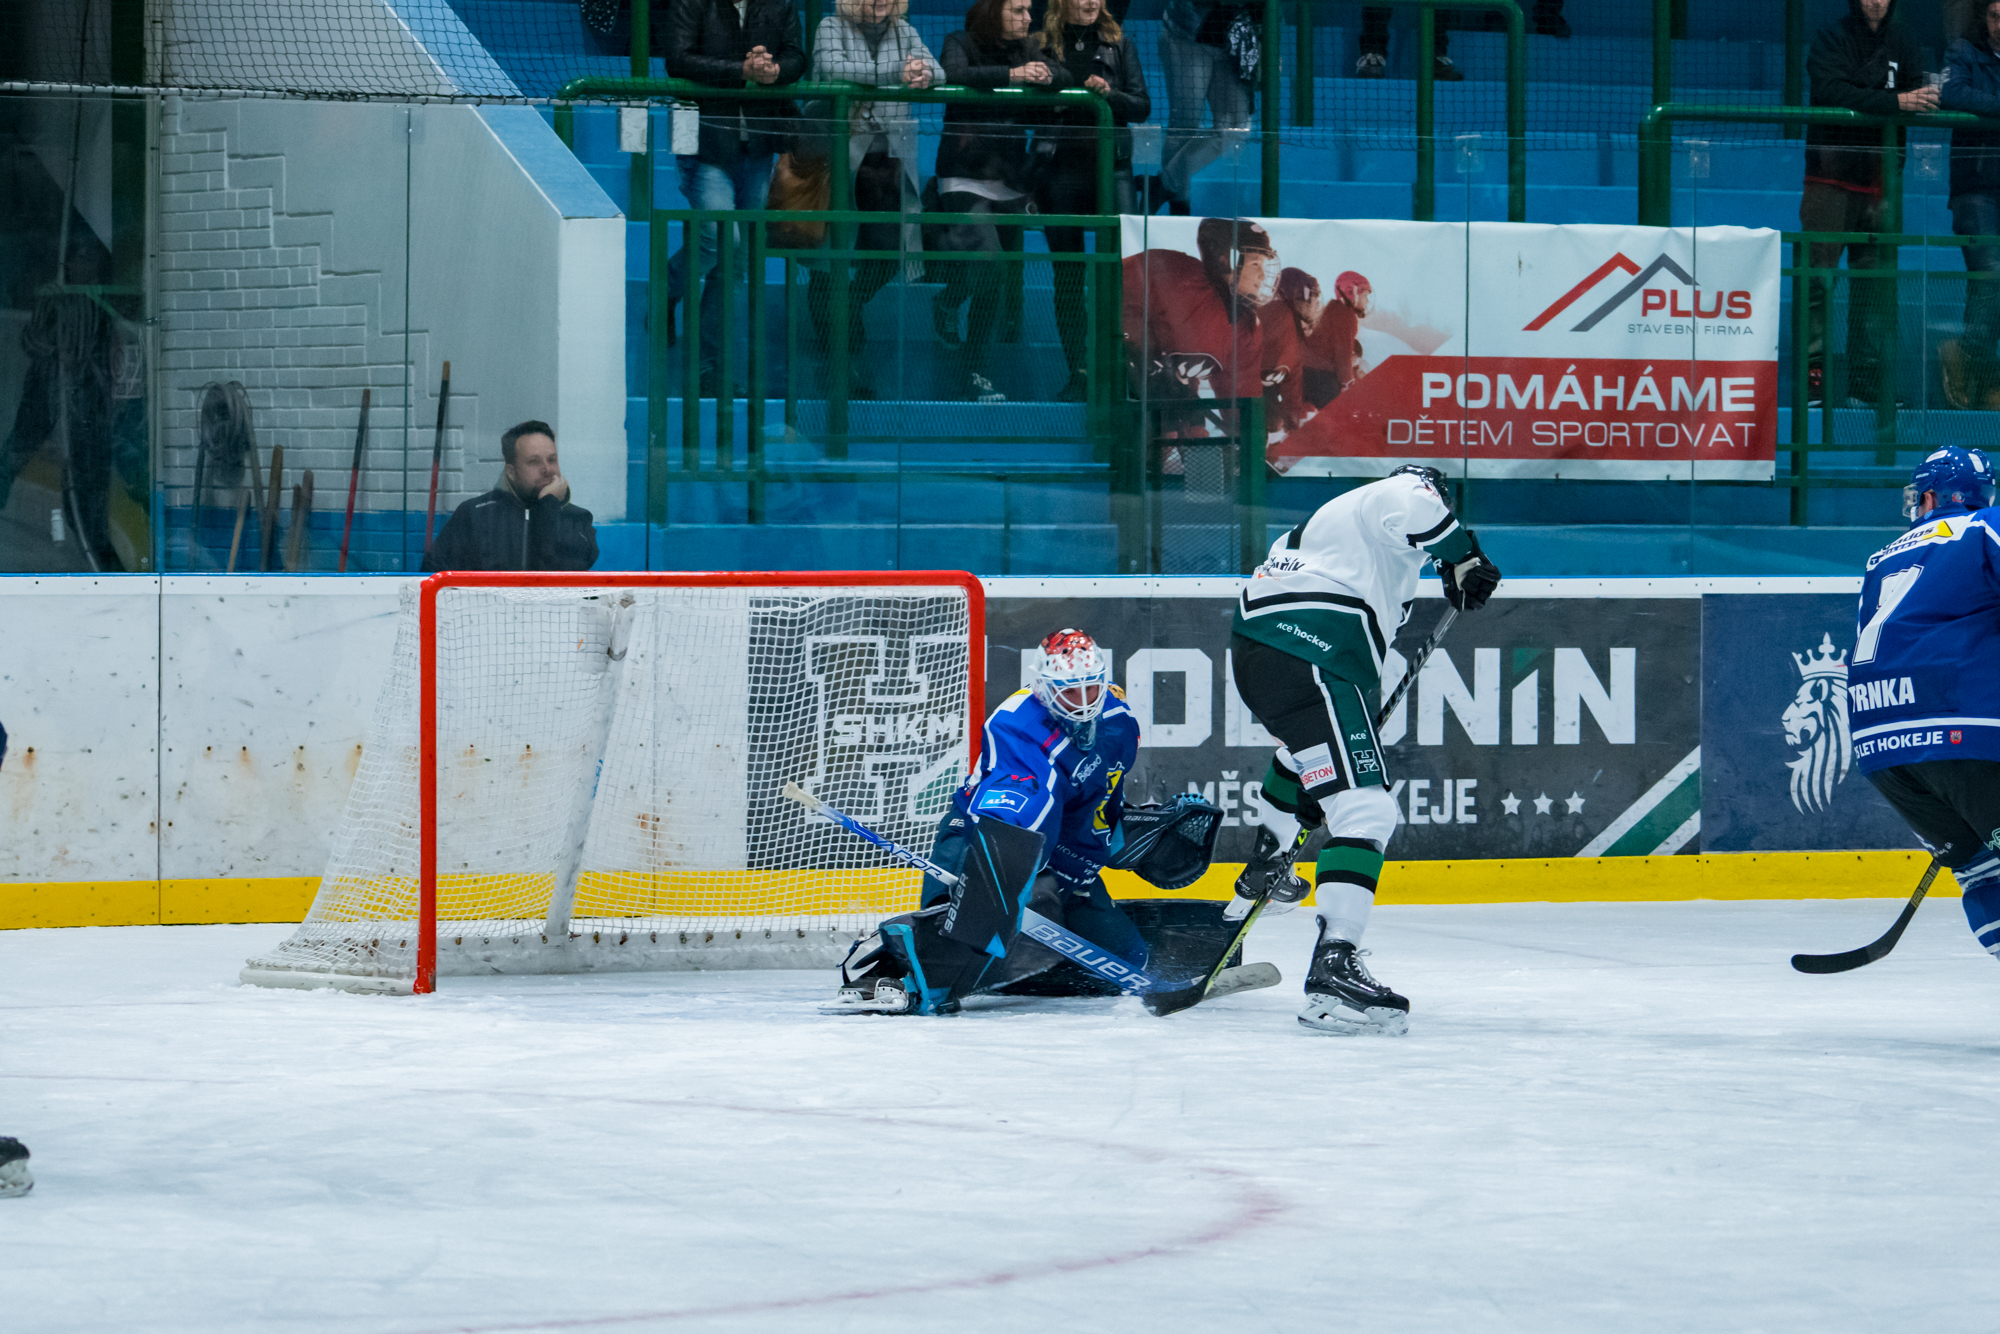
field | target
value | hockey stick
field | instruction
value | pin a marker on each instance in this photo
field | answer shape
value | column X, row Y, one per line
column 1417, row 665
column 354, row 479
column 1867, row 954
column 1033, row 925
column 437, row 458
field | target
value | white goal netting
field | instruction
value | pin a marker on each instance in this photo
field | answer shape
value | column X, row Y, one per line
column 609, row 771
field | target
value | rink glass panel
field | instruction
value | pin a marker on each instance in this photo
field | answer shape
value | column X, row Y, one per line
column 199, row 255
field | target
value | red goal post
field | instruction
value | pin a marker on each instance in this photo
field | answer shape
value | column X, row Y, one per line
column 432, row 587
column 584, row 772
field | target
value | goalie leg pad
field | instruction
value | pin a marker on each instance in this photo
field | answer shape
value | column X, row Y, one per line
column 1000, row 865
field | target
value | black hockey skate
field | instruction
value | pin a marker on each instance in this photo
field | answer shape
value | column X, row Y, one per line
column 1342, row 998
column 14, row 1176
column 1268, row 875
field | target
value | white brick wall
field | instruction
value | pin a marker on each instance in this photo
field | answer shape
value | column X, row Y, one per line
column 253, row 288
column 288, row 246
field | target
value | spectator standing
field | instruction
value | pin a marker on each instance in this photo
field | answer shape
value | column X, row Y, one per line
column 1085, row 41
column 1546, row 20
column 1867, row 62
column 1201, row 73
column 982, row 168
column 1374, row 44
column 1972, row 83
column 728, row 45
column 524, row 523
column 870, row 42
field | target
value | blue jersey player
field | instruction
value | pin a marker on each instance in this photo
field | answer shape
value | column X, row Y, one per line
column 1924, row 681
column 1052, row 764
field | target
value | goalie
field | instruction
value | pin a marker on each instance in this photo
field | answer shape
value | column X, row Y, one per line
column 1041, row 814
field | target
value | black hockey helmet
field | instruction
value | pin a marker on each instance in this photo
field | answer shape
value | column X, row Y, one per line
column 1435, row 476
column 1169, row 845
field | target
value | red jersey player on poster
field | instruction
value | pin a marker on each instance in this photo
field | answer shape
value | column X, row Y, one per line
column 1333, row 346
column 1191, row 325
column 1284, row 322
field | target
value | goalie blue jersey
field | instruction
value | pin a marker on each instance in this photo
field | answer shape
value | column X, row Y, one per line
column 1030, row 773
column 1924, row 681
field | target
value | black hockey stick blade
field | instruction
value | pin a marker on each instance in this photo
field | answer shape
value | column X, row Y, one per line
column 1867, row 954
column 1172, row 1000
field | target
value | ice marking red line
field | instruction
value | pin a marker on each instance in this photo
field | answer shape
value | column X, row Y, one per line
column 1256, row 1206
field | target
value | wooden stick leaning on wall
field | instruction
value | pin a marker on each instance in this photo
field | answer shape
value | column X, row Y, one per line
column 354, row 479
column 267, row 550
column 296, row 548
column 236, row 540
column 437, row 458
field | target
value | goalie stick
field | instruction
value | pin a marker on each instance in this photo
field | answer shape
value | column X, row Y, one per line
column 1168, row 1002
column 1033, row 925
column 1867, row 954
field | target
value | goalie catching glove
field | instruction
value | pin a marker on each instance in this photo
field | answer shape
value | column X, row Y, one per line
column 1168, row 846
column 1469, row 582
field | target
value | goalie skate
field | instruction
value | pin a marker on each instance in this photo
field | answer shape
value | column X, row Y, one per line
column 1343, row 999
column 874, row 995
column 15, row 1179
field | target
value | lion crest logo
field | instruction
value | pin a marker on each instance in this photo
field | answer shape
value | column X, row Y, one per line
column 1816, row 722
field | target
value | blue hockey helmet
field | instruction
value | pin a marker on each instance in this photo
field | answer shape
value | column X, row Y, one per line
column 1958, row 476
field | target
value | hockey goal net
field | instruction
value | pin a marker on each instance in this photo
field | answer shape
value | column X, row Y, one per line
column 570, row 773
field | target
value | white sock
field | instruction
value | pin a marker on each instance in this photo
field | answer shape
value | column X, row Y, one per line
column 1286, row 827
column 1344, row 908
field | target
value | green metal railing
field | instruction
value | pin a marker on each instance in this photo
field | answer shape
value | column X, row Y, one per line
column 1656, row 145
column 1891, row 384
column 1423, row 195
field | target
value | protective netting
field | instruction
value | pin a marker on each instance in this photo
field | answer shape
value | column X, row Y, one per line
column 610, row 764
column 1347, row 69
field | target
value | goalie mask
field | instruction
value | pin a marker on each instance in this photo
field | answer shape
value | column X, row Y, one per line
column 1072, row 679
column 1168, row 846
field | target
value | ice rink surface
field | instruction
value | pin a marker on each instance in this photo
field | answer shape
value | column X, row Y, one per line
column 1605, row 1117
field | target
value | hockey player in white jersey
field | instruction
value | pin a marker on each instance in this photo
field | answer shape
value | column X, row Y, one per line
column 1312, row 627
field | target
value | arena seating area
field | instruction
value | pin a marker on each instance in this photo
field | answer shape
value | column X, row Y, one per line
column 1025, row 486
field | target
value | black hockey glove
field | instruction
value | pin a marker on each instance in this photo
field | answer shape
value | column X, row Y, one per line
column 1471, row 581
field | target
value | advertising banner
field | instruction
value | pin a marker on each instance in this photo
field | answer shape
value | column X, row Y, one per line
column 1780, row 770
column 1546, row 725
column 1491, row 350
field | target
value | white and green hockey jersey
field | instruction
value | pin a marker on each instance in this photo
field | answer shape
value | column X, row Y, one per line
column 1335, row 589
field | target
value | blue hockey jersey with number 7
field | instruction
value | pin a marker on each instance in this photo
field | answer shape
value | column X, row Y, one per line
column 1924, row 681
column 1032, row 774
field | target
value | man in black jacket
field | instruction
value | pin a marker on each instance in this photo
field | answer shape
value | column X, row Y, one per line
column 526, row 522
column 1867, row 62
column 726, row 45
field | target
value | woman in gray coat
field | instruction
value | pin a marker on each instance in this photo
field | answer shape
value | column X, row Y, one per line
column 870, row 42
